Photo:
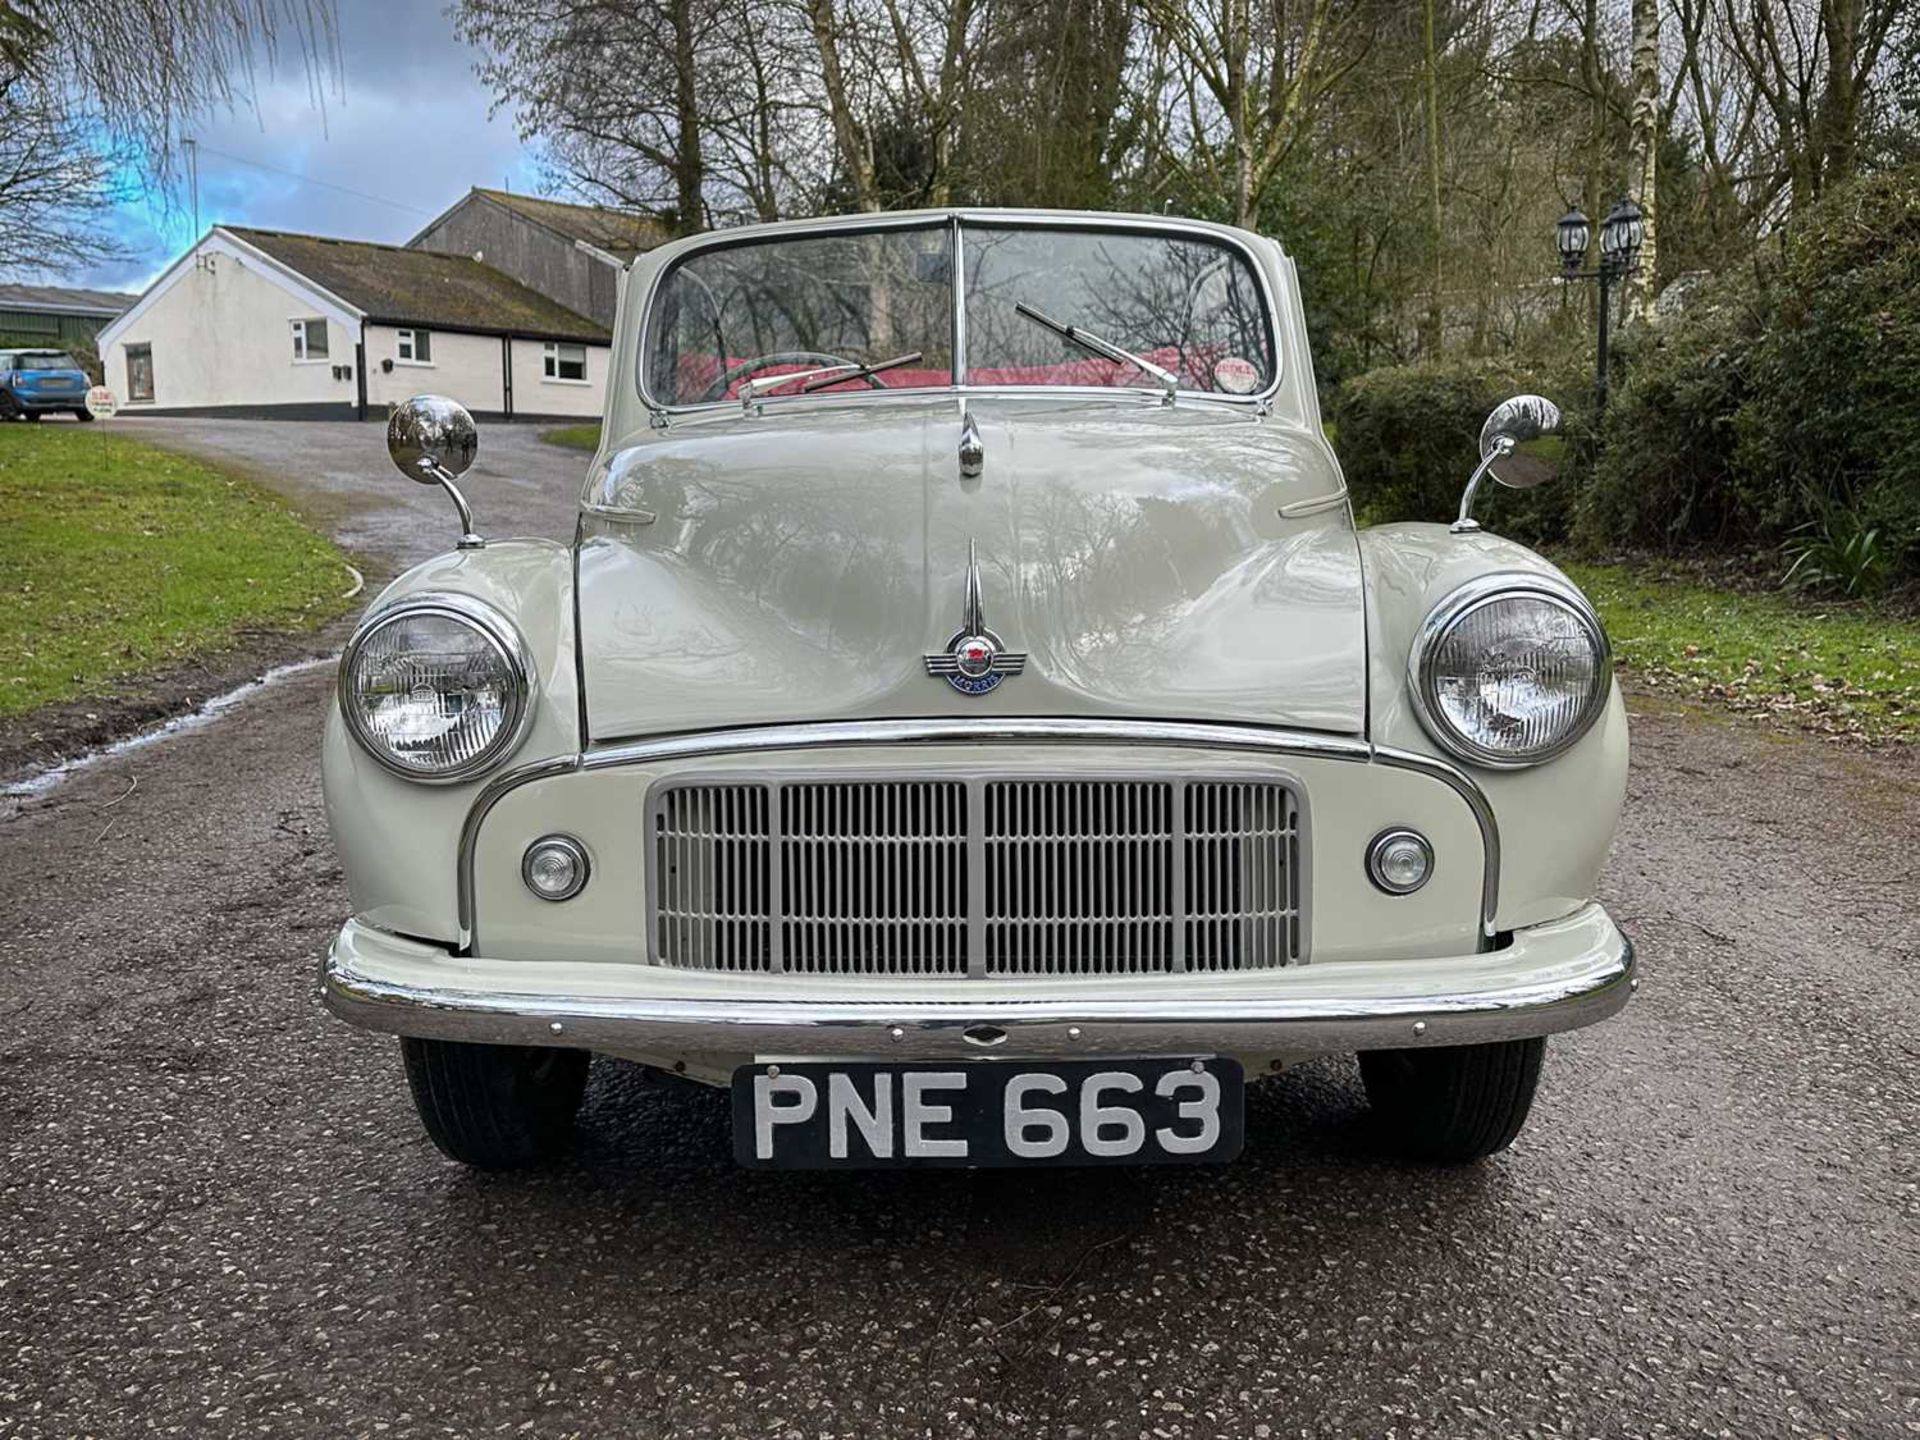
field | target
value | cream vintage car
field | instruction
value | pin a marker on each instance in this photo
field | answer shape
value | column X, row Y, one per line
column 970, row 725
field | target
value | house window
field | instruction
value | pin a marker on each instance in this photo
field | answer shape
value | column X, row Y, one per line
column 309, row 340
column 416, row 347
column 140, row 374
column 566, row 362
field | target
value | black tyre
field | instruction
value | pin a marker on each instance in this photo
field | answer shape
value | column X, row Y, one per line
column 1454, row 1103
column 83, row 415
column 495, row 1107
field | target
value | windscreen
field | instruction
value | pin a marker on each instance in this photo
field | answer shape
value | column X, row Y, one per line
column 872, row 310
column 724, row 318
column 1190, row 307
column 45, row 360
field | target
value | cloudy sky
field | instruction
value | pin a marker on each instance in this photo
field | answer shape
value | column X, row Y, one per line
column 402, row 137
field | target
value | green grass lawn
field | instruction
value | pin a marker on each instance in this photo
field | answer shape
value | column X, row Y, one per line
column 118, row 559
column 1838, row 668
column 574, row 437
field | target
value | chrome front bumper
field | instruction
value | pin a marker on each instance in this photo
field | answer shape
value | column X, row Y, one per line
column 1558, row 976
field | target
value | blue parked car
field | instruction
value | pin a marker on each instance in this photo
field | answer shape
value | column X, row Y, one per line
column 33, row 382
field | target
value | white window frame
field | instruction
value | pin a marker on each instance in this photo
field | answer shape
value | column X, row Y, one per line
column 302, row 336
column 551, row 360
column 407, row 342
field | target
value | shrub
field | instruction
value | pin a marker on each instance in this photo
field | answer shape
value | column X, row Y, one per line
column 1409, row 436
column 1841, row 553
column 1787, row 394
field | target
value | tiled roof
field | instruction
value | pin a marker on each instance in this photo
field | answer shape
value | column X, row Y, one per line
column 419, row 287
column 620, row 233
column 61, row 299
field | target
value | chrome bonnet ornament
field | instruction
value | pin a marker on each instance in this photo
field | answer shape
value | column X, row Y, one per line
column 976, row 660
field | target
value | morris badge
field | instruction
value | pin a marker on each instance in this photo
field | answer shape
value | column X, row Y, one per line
column 975, row 660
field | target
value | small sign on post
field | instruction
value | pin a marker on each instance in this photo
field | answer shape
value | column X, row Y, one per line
column 102, row 404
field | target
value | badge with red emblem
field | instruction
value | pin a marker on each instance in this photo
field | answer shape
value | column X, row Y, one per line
column 975, row 661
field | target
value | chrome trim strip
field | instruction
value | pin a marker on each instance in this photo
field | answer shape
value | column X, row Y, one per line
column 842, row 734
column 1463, row 785
column 958, row 217
column 1581, row 991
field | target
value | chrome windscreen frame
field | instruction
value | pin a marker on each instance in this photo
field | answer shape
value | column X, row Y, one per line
column 778, row 739
column 958, row 220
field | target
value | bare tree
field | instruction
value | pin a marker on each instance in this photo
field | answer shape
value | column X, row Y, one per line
column 142, row 72
column 1253, row 79
column 695, row 111
column 55, row 188
column 1811, row 63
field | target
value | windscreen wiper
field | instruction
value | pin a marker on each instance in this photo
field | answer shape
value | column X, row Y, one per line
column 859, row 372
column 820, row 377
column 1074, row 335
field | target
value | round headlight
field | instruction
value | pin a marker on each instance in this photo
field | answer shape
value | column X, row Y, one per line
column 436, row 687
column 1510, row 670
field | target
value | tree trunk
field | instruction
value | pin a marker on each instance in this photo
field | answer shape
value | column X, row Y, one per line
column 689, row 162
column 847, row 134
column 1644, row 285
column 1239, row 39
column 1838, row 115
column 1433, row 329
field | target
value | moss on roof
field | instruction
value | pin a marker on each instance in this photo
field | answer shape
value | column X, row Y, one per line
column 419, row 287
column 619, row 232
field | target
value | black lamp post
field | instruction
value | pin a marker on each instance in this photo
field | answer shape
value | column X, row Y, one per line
column 1620, row 236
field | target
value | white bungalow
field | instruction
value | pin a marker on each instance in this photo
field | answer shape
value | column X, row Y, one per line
column 266, row 323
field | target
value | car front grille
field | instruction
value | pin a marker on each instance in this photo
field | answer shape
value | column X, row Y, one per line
column 975, row 876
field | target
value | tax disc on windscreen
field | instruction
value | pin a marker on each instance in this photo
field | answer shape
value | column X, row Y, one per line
column 1235, row 375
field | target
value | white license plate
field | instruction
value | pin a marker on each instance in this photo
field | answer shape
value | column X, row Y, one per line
column 860, row 1115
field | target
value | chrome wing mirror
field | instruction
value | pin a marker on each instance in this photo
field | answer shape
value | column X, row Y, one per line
column 1519, row 447
column 432, row 440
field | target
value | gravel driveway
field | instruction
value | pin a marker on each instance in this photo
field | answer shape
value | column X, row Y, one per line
column 219, row 1217
column 338, row 471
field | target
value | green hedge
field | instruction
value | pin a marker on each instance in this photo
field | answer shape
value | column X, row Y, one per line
column 1788, row 393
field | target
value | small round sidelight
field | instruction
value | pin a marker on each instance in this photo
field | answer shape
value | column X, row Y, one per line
column 1399, row 861
column 555, row 867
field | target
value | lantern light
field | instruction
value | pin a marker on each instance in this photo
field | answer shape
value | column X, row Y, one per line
column 1572, row 234
column 1620, row 235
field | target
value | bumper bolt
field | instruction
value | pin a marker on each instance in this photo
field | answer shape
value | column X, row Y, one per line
column 1419, row 1027
column 557, row 1028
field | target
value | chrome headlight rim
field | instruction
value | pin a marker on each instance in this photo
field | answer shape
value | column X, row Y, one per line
column 499, row 633
column 1474, row 595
